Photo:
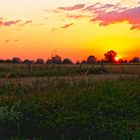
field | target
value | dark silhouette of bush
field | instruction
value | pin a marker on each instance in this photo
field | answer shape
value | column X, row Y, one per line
column 67, row 61
column 78, row 62
column 28, row 61
column 125, row 61
column 56, row 59
column 2, row 61
column 84, row 62
column 49, row 61
column 16, row 60
column 8, row 61
column 40, row 61
column 91, row 59
column 135, row 60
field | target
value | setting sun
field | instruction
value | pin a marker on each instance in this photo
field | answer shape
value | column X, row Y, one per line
column 116, row 58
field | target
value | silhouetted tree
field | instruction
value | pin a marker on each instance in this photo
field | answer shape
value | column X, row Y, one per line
column 99, row 61
column 2, row 61
column 28, row 61
column 91, row 59
column 135, row 60
column 39, row 61
column 84, row 62
column 67, row 61
column 49, row 61
column 125, row 61
column 8, row 61
column 110, row 56
column 120, row 61
column 16, row 60
column 56, row 59
column 78, row 62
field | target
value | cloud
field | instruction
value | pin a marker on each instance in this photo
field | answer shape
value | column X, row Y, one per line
column 13, row 22
column 7, row 41
column 10, row 40
column 67, row 26
column 9, row 23
column 129, row 15
column 108, row 6
column 92, row 7
column 71, row 8
column 105, row 14
column 26, row 22
column 77, row 16
column 53, row 11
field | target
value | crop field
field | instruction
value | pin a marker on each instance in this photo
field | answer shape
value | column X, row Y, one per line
column 70, row 102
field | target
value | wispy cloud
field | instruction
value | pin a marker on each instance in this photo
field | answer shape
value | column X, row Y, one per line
column 105, row 14
column 9, row 23
column 77, row 16
column 67, row 26
column 26, row 22
column 71, row 8
column 7, row 41
column 10, row 40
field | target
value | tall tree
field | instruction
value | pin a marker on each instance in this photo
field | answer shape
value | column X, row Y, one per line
column 110, row 56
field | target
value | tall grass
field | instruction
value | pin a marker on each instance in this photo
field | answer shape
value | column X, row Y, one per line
column 84, row 110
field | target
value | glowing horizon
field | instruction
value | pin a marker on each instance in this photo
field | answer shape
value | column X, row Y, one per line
column 75, row 29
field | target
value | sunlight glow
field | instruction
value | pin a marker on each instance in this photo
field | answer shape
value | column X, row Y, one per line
column 116, row 58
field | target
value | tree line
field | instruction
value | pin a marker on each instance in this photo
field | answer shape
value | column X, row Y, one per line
column 109, row 57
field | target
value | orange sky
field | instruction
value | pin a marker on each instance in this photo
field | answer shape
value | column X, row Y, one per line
column 75, row 29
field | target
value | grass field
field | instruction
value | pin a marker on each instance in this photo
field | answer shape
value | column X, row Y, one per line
column 21, row 70
column 75, row 103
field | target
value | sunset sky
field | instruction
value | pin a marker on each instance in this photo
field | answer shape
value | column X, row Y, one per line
column 71, row 28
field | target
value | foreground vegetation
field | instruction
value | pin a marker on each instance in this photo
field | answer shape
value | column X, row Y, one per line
column 78, row 110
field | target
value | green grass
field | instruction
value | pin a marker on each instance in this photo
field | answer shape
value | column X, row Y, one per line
column 85, row 110
column 21, row 70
